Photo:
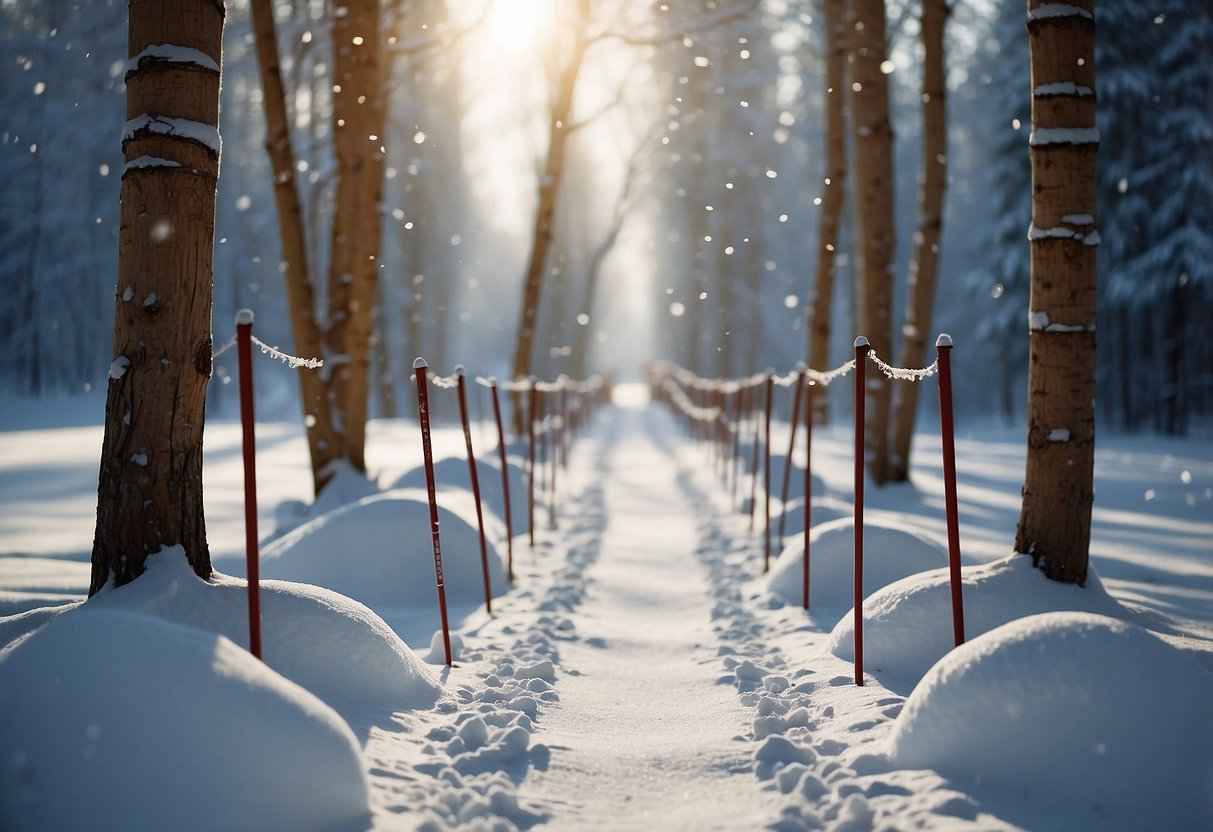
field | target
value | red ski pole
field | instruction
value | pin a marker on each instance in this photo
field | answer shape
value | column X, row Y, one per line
column 787, row 465
column 943, row 350
column 808, row 485
column 505, row 476
column 423, row 411
column 467, row 440
column 861, row 356
column 532, row 401
column 766, row 475
column 244, row 355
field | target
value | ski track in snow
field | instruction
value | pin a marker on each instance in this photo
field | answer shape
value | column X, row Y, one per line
column 641, row 738
column 647, row 681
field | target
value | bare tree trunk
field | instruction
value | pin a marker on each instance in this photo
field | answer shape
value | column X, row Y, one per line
column 873, row 136
column 149, row 493
column 545, row 214
column 358, row 139
column 832, row 200
column 920, row 289
column 1055, row 521
column 324, row 445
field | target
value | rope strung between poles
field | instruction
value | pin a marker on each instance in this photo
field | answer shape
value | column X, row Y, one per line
column 292, row 361
column 903, row 373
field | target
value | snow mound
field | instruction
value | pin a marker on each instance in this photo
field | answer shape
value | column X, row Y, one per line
column 378, row 550
column 890, row 553
column 346, row 486
column 907, row 626
column 823, row 510
column 336, row 648
column 1076, row 710
column 451, row 474
column 118, row 720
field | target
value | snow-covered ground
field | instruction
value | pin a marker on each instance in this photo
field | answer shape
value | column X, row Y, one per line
column 641, row 672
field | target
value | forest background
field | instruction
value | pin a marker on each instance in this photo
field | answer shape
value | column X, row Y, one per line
column 692, row 185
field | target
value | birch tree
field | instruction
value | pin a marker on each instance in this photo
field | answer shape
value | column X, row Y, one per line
column 335, row 402
column 833, row 197
column 872, row 133
column 149, row 493
column 1055, row 519
column 324, row 445
column 920, row 284
column 548, row 187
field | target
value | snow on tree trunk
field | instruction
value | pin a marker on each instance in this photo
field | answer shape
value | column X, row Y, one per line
column 873, row 136
column 149, row 493
column 1055, row 521
column 920, row 291
column 545, row 215
column 358, row 140
column 324, row 444
column 832, row 200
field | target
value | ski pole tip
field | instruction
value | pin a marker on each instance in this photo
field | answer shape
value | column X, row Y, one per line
column 944, row 340
column 861, row 342
column 419, row 363
column 459, row 370
column 244, row 317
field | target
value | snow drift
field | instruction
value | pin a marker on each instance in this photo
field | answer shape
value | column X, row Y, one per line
column 891, row 553
column 1079, row 712
column 116, row 720
column 907, row 626
column 378, row 550
column 451, row 475
column 336, row 648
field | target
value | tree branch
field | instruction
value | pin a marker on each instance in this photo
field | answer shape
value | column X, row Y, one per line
column 675, row 33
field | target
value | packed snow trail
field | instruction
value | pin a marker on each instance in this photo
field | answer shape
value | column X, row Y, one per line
column 641, row 738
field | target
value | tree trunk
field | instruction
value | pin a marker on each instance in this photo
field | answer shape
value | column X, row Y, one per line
column 358, row 128
column 873, row 136
column 1055, row 521
column 832, row 199
column 545, row 214
column 920, row 289
column 149, row 493
column 324, row 444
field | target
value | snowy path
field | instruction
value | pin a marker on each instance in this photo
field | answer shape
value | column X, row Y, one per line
column 641, row 737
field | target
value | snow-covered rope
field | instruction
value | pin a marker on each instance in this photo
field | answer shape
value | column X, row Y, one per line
column 687, row 378
column 823, row 379
column 683, row 402
column 444, row 382
column 902, row 373
column 292, row 361
column 231, row 342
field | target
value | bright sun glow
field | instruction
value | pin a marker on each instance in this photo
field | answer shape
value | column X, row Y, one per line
column 516, row 25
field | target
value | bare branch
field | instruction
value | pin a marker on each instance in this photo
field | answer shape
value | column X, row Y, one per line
column 677, row 32
column 443, row 38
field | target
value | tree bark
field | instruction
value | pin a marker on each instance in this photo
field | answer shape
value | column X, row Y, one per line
column 832, row 200
column 1055, row 521
column 358, row 140
column 920, row 289
column 324, row 444
column 873, row 137
column 545, row 214
column 149, row 493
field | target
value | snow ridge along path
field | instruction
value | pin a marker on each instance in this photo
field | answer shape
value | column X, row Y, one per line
column 641, row 738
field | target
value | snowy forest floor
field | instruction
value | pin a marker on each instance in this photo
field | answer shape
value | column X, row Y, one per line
column 642, row 672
